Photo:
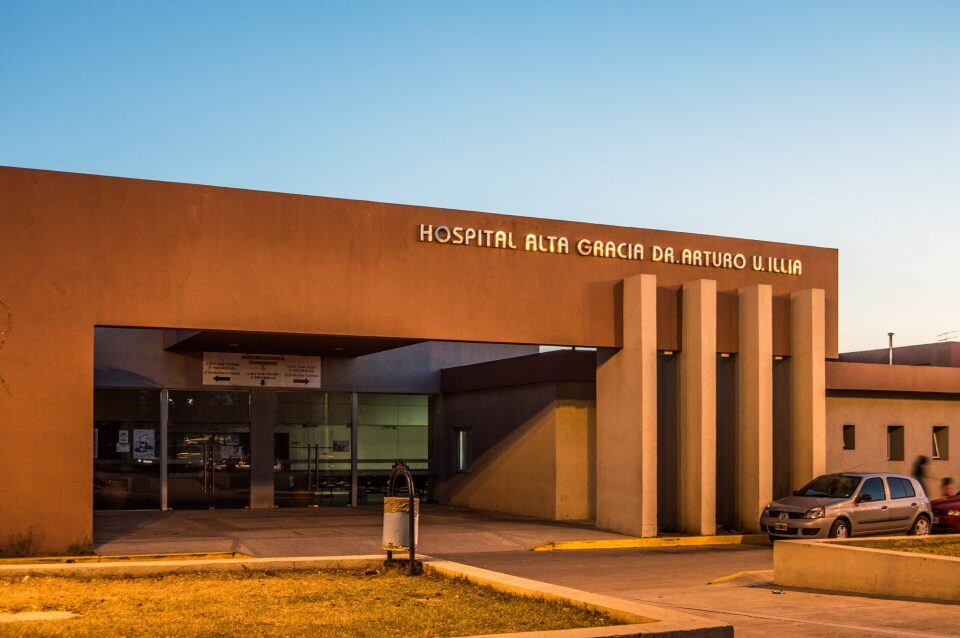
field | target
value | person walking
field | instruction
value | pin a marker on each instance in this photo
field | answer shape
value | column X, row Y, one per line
column 946, row 487
column 919, row 470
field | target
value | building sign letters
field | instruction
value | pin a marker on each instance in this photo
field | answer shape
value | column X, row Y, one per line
column 589, row 247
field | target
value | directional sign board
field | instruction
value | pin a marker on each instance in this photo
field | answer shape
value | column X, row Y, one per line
column 221, row 368
column 260, row 370
column 301, row 372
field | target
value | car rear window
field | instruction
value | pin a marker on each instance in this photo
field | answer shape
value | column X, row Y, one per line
column 900, row 487
column 832, row 486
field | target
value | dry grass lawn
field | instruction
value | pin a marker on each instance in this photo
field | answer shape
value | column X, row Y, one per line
column 927, row 545
column 285, row 603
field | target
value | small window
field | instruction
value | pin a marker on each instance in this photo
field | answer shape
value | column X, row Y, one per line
column 849, row 437
column 464, row 451
column 941, row 442
column 900, row 487
column 874, row 487
column 894, row 442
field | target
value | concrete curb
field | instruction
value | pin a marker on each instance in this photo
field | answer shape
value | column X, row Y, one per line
column 655, row 541
column 100, row 558
column 665, row 622
column 844, row 566
column 150, row 567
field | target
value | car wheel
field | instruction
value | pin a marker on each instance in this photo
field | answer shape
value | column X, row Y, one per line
column 840, row 529
column 921, row 526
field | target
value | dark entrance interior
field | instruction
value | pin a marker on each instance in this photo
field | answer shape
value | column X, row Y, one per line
column 208, row 449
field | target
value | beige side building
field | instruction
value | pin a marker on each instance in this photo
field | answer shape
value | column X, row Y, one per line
column 879, row 417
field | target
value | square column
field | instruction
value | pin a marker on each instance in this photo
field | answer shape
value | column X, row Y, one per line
column 807, row 386
column 626, row 460
column 754, row 405
column 263, row 418
column 698, row 408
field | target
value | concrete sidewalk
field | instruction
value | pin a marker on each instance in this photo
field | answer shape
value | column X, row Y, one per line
column 679, row 578
column 322, row 531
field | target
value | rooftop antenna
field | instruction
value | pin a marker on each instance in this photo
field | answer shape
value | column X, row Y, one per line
column 890, row 335
column 949, row 335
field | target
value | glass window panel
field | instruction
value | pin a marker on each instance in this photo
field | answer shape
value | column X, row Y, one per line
column 874, row 487
column 378, row 442
column 414, row 442
column 412, row 415
column 463, row 450
column 849, row 437
column 377, row 414
column 941, row 442
column 895, row 442
column 209, row 408
column 126, row 433
column 896, row 487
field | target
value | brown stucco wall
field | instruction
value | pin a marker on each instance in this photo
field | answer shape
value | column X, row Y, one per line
column 872, row 377
column 79, row 251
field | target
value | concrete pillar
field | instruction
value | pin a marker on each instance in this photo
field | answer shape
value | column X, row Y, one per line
column 626, row 459
column 754, row 405
column 263, row 416
column 698, row 408
column 807, row 385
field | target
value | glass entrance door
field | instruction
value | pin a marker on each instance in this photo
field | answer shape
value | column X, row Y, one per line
column 208, row 450
column 312, row 449
column 209, row 470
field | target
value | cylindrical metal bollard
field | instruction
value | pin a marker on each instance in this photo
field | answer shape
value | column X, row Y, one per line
column 396, row 523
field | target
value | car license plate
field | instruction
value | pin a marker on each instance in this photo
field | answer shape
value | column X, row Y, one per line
column 780, row 527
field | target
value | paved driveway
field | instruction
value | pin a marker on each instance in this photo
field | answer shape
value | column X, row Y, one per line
column 320, row 531
column 679, row 577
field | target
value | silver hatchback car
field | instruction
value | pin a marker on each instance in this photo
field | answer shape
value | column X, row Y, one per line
column 850, row 504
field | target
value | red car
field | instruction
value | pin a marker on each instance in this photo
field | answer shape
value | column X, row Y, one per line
column 946, row 514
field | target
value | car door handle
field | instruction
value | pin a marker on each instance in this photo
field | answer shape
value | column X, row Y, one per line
column 913, row 504
column 884, row 507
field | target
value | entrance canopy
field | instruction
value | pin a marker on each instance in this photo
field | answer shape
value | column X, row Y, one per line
column 279, row 343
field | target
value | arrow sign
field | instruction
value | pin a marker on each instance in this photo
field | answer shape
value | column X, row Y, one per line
column 221, row 378
column 303, row 381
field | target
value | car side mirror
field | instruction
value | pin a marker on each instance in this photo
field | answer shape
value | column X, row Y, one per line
column 863, row 498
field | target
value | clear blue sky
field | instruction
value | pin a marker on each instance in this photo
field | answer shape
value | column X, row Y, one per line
column 826, row 123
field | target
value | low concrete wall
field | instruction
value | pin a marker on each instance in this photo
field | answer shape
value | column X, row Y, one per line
column 841, row 566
